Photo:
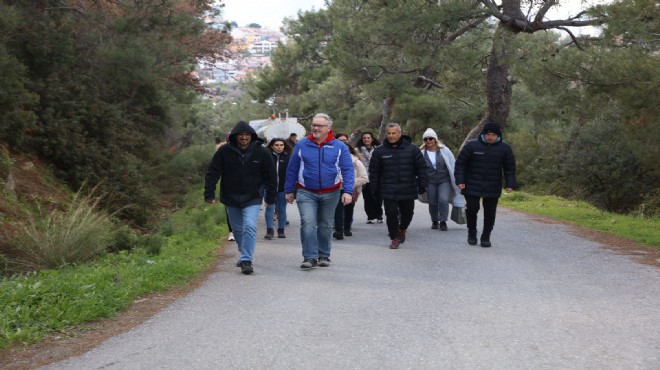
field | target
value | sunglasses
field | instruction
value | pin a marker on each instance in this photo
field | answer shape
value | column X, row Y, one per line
column 428, row 139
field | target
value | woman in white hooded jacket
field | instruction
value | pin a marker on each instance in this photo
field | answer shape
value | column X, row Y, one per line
column 441, row 187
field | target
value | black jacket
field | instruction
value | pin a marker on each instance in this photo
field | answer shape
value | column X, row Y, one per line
column 397, row 171
column 281, row 162
column 479, row 166
column 246, row 176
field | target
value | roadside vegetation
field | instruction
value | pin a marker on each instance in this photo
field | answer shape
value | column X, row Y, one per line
column 56, row 300
column 640, row 228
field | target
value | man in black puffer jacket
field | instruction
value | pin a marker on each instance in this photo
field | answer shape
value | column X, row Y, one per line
column 247, row 171
column 397, row 174
column 478, row 174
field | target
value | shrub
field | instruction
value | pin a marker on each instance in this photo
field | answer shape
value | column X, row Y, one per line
column 124, row 239
column 152, row 243
column 59, row 238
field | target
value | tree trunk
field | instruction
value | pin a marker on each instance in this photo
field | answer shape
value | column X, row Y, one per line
column 498, row 83
column 387, row 113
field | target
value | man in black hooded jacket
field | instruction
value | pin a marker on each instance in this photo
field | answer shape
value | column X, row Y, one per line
column 478, row 173
column 246, row 170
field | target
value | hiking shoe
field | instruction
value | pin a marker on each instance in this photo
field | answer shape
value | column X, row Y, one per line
column 395, row 243
column 231, row 237
column 269, row 234
column 443, row 226
column 308, row 263
column 246, row 267
column 380, row 221
column 338, row 235
column 348, row 233
column 402, row 236
column 280, row 233
column 324, row 261
column 434, row 225
column 472, row 236
column 370, row 222
column 485, row 240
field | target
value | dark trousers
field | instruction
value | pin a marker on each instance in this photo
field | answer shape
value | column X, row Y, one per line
column 227, row 218
column 472, row 208
column 344, row 217
column 339, row 216
column 348, row 216
column 399, row 214
column 372, row 206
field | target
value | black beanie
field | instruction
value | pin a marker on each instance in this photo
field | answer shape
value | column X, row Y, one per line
column 492, row 127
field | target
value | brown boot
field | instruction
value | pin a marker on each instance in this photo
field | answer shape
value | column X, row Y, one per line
column 269, row 234
column 280, row 233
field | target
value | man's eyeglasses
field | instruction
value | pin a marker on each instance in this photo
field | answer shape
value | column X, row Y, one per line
column 319, row 126
column 428, row 139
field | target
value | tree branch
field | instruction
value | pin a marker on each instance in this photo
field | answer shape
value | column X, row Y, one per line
column 429, row 81
column 464, row 29
column 572, row 37
column 544, row 10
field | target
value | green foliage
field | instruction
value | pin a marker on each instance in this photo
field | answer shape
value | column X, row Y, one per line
column 123, row 240
column 589, row 162
column 15, row 98
column 53, row 301
column 185, row 169
column 5, row 163
column 95, row 90
column 644, row 230
column 60, row 238
column 152, row 243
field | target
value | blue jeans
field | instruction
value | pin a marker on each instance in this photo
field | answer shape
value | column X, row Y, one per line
column 439, row 200
column 280, row 204
column 317, row 213
column 244, row 223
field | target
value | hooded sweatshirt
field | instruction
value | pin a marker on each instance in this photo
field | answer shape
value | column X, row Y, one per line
column 246, row 174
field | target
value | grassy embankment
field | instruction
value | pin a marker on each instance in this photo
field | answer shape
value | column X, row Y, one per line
column 643, row 230
column 55, row 301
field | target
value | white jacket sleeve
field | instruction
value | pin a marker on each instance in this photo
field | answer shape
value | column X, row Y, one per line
column 361, row 175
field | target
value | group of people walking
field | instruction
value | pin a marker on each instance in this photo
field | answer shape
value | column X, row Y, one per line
column 324, row 174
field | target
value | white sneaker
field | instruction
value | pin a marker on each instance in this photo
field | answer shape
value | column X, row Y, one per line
column 231, row 237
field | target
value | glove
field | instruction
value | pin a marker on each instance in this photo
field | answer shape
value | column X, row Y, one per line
column 421, row 190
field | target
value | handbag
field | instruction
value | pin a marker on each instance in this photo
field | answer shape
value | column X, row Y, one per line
column 458, row 215
column 424, row 198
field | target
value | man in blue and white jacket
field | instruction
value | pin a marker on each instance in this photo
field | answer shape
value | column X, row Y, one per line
column 319, row 168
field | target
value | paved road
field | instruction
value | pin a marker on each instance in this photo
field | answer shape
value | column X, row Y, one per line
column 541, row 298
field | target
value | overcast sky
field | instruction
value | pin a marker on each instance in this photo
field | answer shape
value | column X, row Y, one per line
column 270, row 13
column 267, row 13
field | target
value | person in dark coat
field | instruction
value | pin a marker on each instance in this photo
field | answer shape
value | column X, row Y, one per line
column 280, row 151
column 478, row 172
column 397, row 174
column 246, row 171
column 373, row 207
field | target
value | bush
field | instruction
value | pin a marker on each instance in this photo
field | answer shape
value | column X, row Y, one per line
column 59, row 238
column 124, row 239
column 152, row 243
column 605, row 169
column 186, row 168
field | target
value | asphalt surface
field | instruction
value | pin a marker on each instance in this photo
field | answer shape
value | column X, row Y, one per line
column 540, row 298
